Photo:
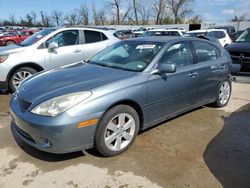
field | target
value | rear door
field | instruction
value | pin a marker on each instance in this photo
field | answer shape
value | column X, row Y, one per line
column 212, row 68
column 94, row 42
column 172, row 93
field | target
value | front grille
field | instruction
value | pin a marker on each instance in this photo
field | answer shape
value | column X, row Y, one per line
column 24, row 134
column 24, row 105
column 233, row 53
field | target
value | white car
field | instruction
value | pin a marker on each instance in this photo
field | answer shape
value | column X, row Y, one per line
column 50, row 48
column 220, row 34
column 162, row 32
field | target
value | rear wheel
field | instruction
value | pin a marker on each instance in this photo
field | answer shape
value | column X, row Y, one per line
column 9, row 43
column 18, row 76
column 224, row 94
column 117, row 130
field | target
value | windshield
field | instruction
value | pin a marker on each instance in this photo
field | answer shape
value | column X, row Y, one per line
column 128, row 55
column 244, row 37
column 36, row 37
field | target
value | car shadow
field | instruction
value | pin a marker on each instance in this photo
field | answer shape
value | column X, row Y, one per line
column 228, row 153
column 45, row 156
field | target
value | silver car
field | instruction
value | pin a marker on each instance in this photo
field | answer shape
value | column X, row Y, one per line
column 50, row 48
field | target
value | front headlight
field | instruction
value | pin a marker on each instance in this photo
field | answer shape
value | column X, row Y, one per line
column 60, row 104
column 3, row 58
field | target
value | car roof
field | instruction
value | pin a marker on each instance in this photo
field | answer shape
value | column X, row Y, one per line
column 164, row 30
column 205, row 30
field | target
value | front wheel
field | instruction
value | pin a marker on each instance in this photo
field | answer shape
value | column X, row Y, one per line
column 224, row 94
column 18, row 76
column 10, row 43
column 117, row 130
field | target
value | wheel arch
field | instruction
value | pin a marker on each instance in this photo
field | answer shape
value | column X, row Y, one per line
column 35, row 66
column 133, row 105
column 10, row 40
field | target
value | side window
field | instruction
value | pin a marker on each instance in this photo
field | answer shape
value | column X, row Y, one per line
column 205, row 51
column 210, row 34
column 94, row 36
column 179, row 54
column 222, row 34
column 30, row 33
column 219, row 34
column 23, row 33
column 175, row 33
column 65, row 38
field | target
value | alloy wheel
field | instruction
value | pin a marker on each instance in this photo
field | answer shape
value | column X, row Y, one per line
column 224, row 94
column 119, row 132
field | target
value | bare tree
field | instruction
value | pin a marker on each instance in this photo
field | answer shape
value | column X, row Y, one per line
column 239, row 18
column 29, row 20
column 45, row 19
column 84, row 14
column 135, row 9
column 195, row 20
column 95, row 15
column 180, row 9
column 144, row 11
column 12, row 19
column 116, row 6
column 72, row 18
column 159, row 9
column 102, row 16
column 33, row 16
column 57, row 17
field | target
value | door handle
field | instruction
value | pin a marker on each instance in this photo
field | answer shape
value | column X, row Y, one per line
column 193, row 74
column 77, row 51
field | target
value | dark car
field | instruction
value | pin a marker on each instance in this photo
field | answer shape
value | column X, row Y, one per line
column 130, row 86
column 240, row 50
column 162, row 32
column 124, row 34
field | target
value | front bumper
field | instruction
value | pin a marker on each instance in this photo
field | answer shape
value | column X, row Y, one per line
column 244, row 62
column 52, row 134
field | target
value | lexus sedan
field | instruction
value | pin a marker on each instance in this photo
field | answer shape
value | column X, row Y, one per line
column 130, row 86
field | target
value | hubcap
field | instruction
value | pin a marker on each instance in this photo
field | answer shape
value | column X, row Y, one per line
column 19, row 77
column 119, row 132
column 224, row 93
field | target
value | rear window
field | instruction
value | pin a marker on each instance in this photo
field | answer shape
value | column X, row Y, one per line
column 94, row 36
column 205, row 51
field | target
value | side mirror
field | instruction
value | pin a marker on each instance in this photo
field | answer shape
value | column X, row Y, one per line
column 235, row 68
column 52, row 46
column 19, row 36
column 165, row 68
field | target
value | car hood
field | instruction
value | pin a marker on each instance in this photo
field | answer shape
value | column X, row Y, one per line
column 239, row 47
column 11, row 49
column 70, row 79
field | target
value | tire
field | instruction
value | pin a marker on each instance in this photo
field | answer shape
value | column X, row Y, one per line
column 113, row 138
column 9, row 43
column 224, row 94
column 18, row 76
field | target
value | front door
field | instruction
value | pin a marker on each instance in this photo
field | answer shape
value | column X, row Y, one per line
column 69, row 50
column 169, row 94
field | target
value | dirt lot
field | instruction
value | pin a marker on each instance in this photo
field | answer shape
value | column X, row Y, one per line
column 207, row 147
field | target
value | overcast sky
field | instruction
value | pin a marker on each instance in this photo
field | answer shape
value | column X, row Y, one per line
column 209, row 10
